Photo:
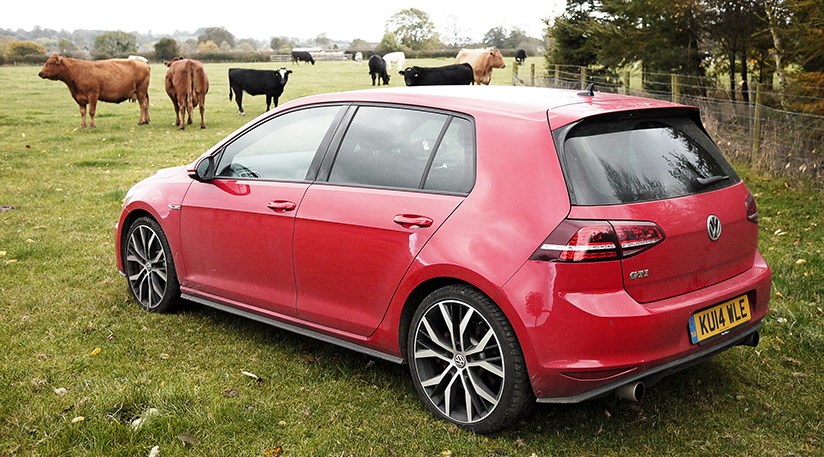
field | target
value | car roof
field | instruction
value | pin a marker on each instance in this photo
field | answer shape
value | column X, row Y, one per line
column 564, row 106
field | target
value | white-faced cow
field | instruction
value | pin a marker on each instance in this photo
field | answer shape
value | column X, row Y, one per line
column 113, row 80
column 257, row 82
column 358, row 57
column 459, row 73
column 482, row 61
column 302, row 56
column 398, row 58
column 377, row 69
column 187, row 85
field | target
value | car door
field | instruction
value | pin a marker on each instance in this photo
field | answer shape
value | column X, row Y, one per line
column 237, row 228
column 397, row 175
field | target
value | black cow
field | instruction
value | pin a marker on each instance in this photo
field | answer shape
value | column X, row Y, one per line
column 302, row 56
column 377, row 69
column 520, row 56
column 257, row 82
column 455, row 74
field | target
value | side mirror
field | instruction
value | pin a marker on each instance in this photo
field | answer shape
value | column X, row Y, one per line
column 204, row 169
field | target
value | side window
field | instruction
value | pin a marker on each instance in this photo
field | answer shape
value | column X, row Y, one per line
column 453, row 168
column 387, row 147
column 281, row 148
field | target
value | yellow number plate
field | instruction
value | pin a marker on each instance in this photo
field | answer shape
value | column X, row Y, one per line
column 719, row 319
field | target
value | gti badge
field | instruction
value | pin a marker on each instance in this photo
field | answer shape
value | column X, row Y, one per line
column 714, row 227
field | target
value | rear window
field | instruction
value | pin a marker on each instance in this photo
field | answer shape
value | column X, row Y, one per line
column 635, row 157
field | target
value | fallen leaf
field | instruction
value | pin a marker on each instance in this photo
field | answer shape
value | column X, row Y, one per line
column 446, row 453
column 61, row 391
column 276, row 451
column 78, row 419
column 188, row 439
column 800, row 261
column 230, row 393
column 607, row 413
column 164, row 356
column 249, row 374
column 155, row 452
column 282, row 423
column 95, row 351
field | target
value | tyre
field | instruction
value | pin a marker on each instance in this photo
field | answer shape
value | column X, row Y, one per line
column 149, row 267
column 465, row 360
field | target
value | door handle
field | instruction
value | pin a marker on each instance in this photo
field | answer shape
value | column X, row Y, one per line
column 412, row 221
column 282, row 206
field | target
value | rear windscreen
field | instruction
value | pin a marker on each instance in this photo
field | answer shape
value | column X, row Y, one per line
column 635, row 157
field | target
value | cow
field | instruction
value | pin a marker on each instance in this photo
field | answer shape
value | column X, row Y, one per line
column 112, row 80
column 483, row 61
column 302, row 56
column 257, row 82
column 520, row 56
column 358, row 57
column 459, row 73
column 377, row 69
column 398, row 57
column 187, row 85
column 140, row 58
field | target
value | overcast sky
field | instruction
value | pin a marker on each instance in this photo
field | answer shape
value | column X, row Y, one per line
column 262, row 20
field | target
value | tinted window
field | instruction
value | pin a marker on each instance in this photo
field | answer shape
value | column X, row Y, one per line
column 453, row 168
column 641, row 159
column 281, row 148
column 395, row 147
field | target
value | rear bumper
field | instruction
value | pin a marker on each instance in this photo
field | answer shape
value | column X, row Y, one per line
column 653, row 375
column 579, row 345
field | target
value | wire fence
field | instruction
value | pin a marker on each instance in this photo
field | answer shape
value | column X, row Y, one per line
column 748, row 124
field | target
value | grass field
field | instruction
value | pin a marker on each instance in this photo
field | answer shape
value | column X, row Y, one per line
column 81, row 362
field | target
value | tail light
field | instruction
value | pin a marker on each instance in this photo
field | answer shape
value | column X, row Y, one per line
column 581, row 241
column 752, row 209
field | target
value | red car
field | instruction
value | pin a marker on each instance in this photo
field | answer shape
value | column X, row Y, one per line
column 509, row 244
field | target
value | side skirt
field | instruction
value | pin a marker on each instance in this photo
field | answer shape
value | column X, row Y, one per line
column 294, row 328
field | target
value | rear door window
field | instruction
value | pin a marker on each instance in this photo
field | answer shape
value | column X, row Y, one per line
column 403, row 148
column 636, row 157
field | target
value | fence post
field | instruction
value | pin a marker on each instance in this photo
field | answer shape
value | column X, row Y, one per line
column 756, row 129
column 532, row 75
column 515, row 75
column 676, row 90
column 626, row 82
column 557, row 75
column 583, row 78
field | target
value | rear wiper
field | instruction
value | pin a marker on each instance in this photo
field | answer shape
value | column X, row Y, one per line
column 706, row 182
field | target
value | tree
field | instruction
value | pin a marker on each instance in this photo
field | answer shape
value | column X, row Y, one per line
column 495, row 37
column 278, row 42
column 571, row 35
column 208, row 46
column 19, row 49
column 216, row 35
column 322, row 40
column 166, row 49
column 389, row 43
column 64, row 46
column 413, row 28
column 455, row 34
column 114, row 44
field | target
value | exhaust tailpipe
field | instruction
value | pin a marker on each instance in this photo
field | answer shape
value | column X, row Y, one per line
column 751, row 340
column 633, row 391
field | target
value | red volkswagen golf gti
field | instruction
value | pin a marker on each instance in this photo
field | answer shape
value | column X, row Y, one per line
column 509, row 244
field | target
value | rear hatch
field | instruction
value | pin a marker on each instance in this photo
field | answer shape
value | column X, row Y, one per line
column 659, row 166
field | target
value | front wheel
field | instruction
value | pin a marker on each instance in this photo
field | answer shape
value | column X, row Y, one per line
column 150, row 269
column 466, row 362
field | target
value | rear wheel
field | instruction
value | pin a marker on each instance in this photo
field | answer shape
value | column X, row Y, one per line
column 150, row 270
column 466, row 362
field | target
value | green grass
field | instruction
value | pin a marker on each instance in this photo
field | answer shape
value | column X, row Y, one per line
column 61, row 299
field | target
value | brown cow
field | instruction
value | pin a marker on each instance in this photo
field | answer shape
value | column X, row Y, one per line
column 187, row 85
column 482, row 61
column 112, row 80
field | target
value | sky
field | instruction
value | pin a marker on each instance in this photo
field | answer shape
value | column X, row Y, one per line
column 262, row 20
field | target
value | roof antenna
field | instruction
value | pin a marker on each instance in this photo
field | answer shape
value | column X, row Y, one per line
column 589, row 91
